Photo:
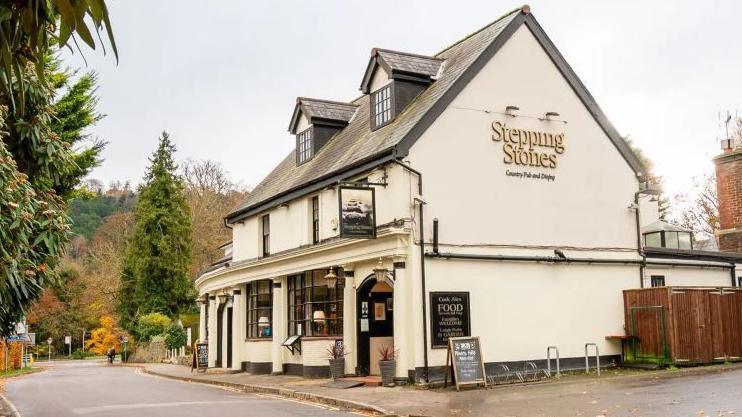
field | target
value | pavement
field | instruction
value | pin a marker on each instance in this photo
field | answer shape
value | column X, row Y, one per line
column 88, row 388
column 703, row 391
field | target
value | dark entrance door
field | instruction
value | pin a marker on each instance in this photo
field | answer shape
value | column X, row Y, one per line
column 229, row 337
column 219, row 334
column 375, row 321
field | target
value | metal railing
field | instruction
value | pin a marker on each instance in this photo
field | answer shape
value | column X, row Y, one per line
column 587, row 358
column 548, row 361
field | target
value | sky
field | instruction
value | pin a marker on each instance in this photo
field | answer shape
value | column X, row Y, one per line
column 222, row 77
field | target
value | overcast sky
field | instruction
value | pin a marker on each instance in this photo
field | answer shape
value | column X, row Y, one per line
column 222, row 76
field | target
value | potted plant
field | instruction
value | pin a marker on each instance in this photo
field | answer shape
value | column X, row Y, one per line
column 387, row 364
column 336, row 354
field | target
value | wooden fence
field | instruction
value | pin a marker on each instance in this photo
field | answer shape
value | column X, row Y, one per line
column 683, row 325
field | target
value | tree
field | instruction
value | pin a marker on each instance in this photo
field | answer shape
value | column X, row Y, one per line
column 700, row 211
column 152, row 324
column 29, row 29
column 175, row 337
column 105, row 337
column 652, row 177
column 154, row 274
column 210, row 195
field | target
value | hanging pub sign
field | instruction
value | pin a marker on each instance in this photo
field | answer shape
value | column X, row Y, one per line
column 357, row 212
column 449, row 317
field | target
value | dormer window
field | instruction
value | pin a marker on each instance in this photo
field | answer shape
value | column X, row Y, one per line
column 393, row 79
column 304, row 146
column 381, row 107
column 315, row 121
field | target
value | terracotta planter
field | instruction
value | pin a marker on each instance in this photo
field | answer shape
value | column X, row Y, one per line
column 387, row 372
column 337, row 368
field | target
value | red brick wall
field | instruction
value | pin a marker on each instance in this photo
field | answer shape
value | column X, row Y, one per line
column 729, row 188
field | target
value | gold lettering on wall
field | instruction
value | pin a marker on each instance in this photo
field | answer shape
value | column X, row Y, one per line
column 526, row 147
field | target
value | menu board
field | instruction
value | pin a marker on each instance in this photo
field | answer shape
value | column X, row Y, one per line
column 465, row 356
column 449, row 317
column 202, row 355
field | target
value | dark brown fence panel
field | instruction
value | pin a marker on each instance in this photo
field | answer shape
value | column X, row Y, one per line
column 701, row 325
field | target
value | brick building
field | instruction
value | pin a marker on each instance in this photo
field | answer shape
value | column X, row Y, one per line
column 729, row 188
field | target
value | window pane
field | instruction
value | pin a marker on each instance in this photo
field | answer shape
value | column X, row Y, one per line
column 652, row 240
column 684, row 241
column 671, row 240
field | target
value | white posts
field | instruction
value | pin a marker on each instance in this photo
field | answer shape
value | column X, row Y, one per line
column 349, row 322
column 279, row 329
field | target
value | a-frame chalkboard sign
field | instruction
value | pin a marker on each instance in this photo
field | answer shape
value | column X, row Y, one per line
column 466, row 363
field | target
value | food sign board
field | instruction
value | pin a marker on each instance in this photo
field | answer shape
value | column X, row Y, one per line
column 357, row 212
column 465, row 356
column 202, row 355
column 449, row 317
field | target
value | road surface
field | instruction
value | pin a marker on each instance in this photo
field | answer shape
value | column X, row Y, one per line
column 83, row 388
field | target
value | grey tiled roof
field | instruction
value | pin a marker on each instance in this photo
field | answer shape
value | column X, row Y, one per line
column 327, row 109
column 357, row 142
column 415, row 64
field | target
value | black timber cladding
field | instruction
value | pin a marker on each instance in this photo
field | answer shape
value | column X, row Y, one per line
column 358, row 145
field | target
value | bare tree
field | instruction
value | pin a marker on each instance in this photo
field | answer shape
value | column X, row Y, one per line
column 700, row 211
column 211, row 194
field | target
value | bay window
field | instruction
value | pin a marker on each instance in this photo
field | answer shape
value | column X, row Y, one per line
column 314, row 309
column 260, row 309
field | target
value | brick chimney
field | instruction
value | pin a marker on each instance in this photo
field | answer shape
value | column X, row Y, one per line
column 729, row 189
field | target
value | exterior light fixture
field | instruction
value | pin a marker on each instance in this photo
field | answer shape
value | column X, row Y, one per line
column 222, row 298
column 510, row 110
column 331, row 278
column 560, row 254
column 380, row 272
column 551, row 114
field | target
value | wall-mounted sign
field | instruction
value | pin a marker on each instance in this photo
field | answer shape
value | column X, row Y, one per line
column 357, row 212
column 449, row 317
column 528, row 147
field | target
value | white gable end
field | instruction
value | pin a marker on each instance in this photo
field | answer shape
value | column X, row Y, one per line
column 480, row 192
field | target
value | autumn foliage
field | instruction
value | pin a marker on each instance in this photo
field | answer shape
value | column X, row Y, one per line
column 105, row 337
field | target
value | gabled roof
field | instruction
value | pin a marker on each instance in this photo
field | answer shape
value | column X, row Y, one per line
column 395, row 63
column 357, row 148
column 321, row 110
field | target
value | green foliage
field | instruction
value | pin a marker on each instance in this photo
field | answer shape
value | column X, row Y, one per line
column 175, row 336
column 88, row 214
column 152, row 324
column 33, row 231
column 154, row 274
column 28, row 29
column 80, row 354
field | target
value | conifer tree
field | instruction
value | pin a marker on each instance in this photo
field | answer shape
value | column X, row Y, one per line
column 154, row 274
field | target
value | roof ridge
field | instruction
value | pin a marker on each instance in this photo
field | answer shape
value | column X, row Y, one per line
column 321, row 100
column 374, row 50
column 516, row 10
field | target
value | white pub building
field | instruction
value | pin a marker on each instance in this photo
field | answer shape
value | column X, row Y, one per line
column 478, row 191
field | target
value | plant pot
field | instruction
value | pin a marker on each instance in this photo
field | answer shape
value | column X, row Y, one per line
column 337, row 368
column 387, row 372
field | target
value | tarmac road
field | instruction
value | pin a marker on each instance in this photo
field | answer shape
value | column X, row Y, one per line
column 83, row 388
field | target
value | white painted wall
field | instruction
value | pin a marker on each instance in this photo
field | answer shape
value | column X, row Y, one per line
column 465, row 177
column 689, row 276
column 518, row 309
column 379, row 79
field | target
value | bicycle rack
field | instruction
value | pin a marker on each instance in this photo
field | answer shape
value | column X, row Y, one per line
column 548, row 361
column 587, row 358
column 501, row 378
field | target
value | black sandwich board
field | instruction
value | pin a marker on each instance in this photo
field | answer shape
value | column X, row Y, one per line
column 466, row 363
column 202, row 356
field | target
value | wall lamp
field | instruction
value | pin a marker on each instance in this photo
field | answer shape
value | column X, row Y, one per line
column 550, row 114
column 510, row 110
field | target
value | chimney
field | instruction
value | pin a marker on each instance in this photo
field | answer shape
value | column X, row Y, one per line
column 729, row 189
